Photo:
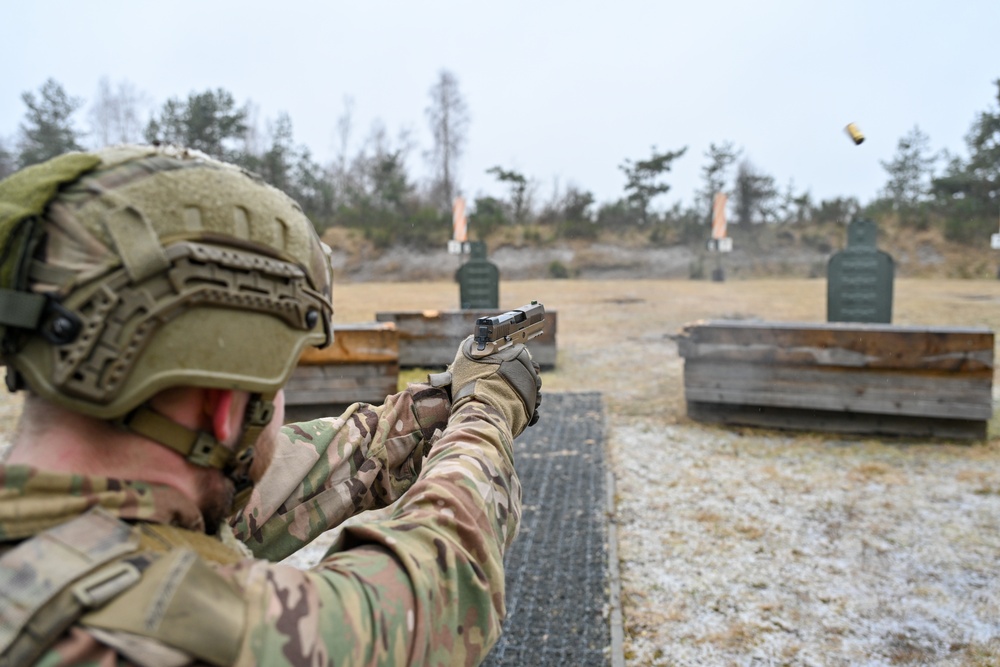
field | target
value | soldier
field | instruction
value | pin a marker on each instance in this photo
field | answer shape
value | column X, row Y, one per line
column 153, row 302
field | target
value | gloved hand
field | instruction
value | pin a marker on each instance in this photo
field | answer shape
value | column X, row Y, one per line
column 508, row 380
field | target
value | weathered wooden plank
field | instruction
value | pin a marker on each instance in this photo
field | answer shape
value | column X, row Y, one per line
column 310, row 411
column 343, row 384
column 837, row 422
column 344, row 371
column 429, row 339
column 857, row 390
column 836, row 378
column 357, row 343
column 306, row 373
column 723, row 330
column 841, row 344
column 335, row 395
column 914, row 408
column 969, row 361
column 368, row 382
column 361, row 377
column 362, row 364
column 864, row 378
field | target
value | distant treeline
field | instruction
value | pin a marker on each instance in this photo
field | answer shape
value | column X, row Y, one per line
column 374, row 191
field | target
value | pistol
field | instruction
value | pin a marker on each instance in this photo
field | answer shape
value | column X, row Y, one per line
column 492, row 334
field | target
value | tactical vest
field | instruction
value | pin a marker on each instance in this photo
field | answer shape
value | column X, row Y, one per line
column 133, row 587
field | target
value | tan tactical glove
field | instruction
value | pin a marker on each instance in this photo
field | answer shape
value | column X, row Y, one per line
column 508, row 380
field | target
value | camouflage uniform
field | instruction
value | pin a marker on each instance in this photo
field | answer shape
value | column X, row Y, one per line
column 423, row 587
column 140, row 269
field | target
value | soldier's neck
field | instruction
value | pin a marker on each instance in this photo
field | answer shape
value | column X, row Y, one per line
column 69, row 442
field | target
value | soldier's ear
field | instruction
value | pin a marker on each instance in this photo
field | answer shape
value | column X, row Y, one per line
column 219, row 406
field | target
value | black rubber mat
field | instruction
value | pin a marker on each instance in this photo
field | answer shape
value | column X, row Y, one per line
column 557, row 568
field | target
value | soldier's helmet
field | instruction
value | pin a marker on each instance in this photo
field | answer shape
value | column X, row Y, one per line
column 138, row 268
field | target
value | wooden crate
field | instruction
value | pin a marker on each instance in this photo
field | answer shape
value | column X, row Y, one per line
column 362, row 364
column 848, row 377
column 429, row 338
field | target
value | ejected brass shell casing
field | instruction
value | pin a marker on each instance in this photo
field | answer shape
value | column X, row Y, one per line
column 855, row 134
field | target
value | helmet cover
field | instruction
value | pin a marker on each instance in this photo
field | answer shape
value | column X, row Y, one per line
column 162, row 267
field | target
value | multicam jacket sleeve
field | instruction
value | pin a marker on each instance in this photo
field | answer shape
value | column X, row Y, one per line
column 423, row 587
column 328, row 470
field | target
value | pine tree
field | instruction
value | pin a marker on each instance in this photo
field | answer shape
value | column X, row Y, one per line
column 47, row 129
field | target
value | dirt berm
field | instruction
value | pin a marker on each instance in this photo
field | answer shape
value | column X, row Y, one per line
column 592, row 262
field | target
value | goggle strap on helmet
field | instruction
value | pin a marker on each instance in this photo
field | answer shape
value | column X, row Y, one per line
column 28, row 310
column 198, row 447
column 22, row 310
column 136, row 243
column 23, row 197
column 37, row 312
column 40, row 272
column 18, row 310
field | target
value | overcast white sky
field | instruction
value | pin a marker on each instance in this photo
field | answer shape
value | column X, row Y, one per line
column 556, row 89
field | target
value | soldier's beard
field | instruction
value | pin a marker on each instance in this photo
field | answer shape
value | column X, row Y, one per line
column 216, row 501
column 220, row 491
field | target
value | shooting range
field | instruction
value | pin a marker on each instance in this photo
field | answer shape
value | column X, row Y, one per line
column 478, row 279
column 364, row 362
column 859, row 279
column 845, row 371
column 766, row 242
column 362, row 365
column 719, row 243
column 429, row 338
column 856, row 374
column 853, row 378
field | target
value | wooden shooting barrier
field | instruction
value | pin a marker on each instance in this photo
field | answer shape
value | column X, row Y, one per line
column 846, row 377
column 362, row 365
column 430, row 338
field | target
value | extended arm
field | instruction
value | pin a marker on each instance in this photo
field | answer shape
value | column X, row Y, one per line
column 327, row 470
column 426, row 586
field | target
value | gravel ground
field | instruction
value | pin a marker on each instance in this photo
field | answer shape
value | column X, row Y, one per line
column 753, row 548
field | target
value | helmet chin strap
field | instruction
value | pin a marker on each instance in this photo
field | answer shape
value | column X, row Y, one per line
column 202, row 448
column 258, row 414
